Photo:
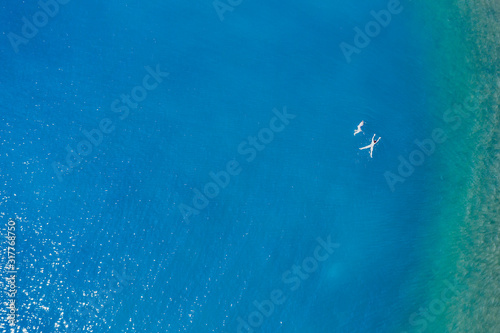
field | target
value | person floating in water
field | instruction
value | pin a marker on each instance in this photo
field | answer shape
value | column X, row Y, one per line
column 371, row 145
column 356, row 131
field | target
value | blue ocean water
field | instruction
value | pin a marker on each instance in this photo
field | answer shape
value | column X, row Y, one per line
column 107, row 249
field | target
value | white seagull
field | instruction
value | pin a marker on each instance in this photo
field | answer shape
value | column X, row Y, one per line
column 356, row 131
column 371, row 145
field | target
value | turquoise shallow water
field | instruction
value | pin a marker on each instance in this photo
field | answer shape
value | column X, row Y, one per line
column 107, row 249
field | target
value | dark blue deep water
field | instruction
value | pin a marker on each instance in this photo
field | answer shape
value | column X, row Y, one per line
column 102, row 243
